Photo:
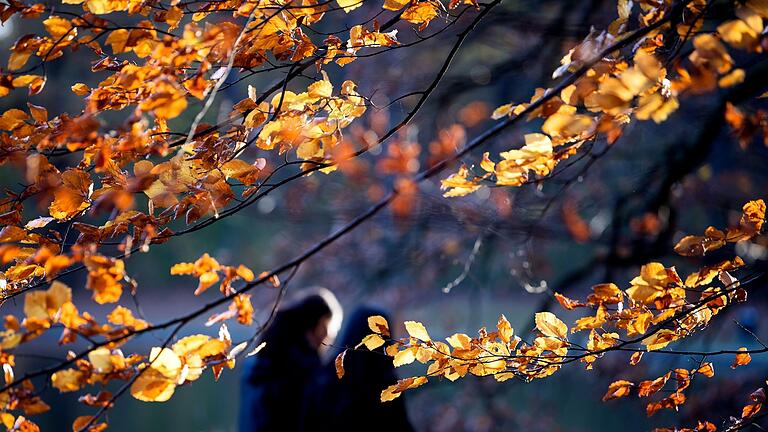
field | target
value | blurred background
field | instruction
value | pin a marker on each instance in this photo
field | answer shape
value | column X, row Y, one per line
column 456, row 264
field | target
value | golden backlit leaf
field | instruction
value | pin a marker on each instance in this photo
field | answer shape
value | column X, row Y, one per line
column 80, row 89
column 617, row 389
column 404, row 357
column 372, row 341
column 12, row 119
column 349, row 5
column 659, row 339
column 394, row 391
column 68, row 380
column 650, row 387
column 152, row 386
column 550, row 325
column 707, row 369
column 104, row 278
column 741, row 359
column 124, row 317
column 378, row 324
column 421, row 13
column 417, row 330
column 460, row 340
column 45, row 304
column 101, row 360
column 58, row 27
column 505, row 329
column 73, row 196
column 80, row 423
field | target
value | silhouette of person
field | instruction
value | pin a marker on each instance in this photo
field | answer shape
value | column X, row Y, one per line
column 353, row 402
column 275, row 382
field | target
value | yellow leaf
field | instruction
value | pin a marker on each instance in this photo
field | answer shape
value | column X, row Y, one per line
column 79, row 424
column 12, row 119
column 617, row 389
column 101, row 360
column 152, row 386
column 58, row 27
column 372, row 341
column 68, row 380
column 417, row 330
column 80, row 89
column 550, row 325
column 73, row 196
column 707, row 370
column 420, row 13
column 394, row 5
column 18, row 59
column 323, row 88
column 118, row 39
column 206, row 280
column 392, row 392
column 735, row 77
column 378, row 324
column 659, row 340
column 505, row 329
column 100, row 7
column 404, row 357
column 349, row 5
column 165, row 361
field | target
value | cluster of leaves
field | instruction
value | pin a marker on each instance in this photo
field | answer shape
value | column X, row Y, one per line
column 154, row 63
column 658, row 308
column 613, row 90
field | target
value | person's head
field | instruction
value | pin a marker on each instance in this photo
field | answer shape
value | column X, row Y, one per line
column 320, row 316
column 314, row 317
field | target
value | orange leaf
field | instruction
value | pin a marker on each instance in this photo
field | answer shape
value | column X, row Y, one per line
column 617, row 389
column 339, row 363
column 741, row 359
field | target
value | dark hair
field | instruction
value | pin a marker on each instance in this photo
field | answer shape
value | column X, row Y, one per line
column 292, row 322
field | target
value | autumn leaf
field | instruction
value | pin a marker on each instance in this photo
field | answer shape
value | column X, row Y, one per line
column 394, row 391
column 650, row 387
column 339, row 364
column 45, row 304
column 349, row 5
column 378, row 324
column 372, row 341
column 742, row 358
column 659, row 340
column 460, row 340
column 157, row 381
column 550, row 325
column 707, row 370
column 104, row 278
column 505, row 329
column 750, row 410
column 417, row 330
column 68, row 380
column 73, row 196
column 95, row 426
column 617, row 389
column 404, row 357
column 421, row 13
column 13, row 119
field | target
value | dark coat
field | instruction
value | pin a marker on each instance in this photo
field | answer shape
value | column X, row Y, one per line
column 353, row 402
column 275, row 381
